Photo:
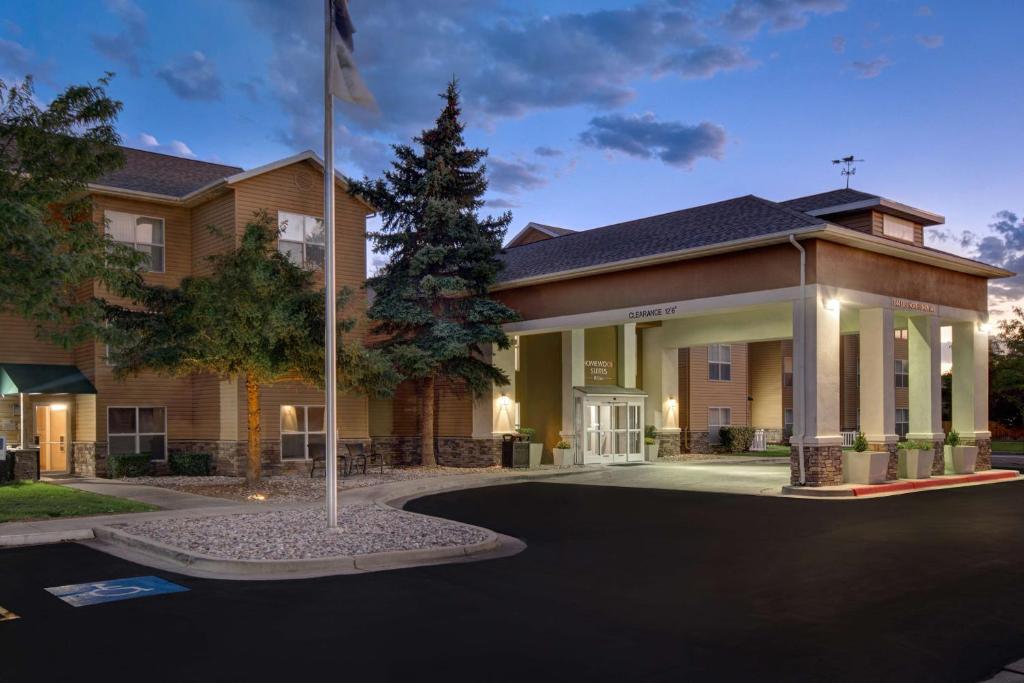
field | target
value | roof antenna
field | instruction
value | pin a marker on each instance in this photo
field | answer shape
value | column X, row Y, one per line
column 849, row 169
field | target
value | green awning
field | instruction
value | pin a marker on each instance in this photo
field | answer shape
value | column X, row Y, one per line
column 30, row 378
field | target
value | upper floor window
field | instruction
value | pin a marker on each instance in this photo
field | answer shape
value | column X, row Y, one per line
column 144, row 233
column 900, row 334
column 898, row 228
column 720, row 362
column 302, row 239
column 902, row 373
column 787, row 371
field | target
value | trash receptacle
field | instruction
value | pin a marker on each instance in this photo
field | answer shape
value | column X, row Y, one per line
column 507, row 443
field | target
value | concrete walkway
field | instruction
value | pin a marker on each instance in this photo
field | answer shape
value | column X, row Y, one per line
column 165, row 499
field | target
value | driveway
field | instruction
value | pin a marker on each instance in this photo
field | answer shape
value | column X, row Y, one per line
column 617, row 583
column 730, row 474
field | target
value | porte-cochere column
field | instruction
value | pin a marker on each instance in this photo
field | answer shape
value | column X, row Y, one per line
column 816, row 337
column 924, row 344
column 877, row 384
column 970, row 389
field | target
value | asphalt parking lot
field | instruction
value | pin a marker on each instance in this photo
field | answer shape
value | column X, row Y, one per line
column 617, row 583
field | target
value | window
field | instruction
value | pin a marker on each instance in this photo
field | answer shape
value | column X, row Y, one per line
column 897, row 228
column 133, row 430
column 787, row 422
column 718, row 418
column 902, row 422
column 720, row 362
column 302, row 239
column 787, row 371
column 902, row 373
column 302, row 432
column 144, row 233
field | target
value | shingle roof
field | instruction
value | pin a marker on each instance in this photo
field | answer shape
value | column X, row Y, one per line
column 164, row 174
column 823, row 200
column 732, row 219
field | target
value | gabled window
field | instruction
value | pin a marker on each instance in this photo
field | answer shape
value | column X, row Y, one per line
column 143, row 233
column 720, row 362
column 301, row 239
column 902, row 380
column 897, row 228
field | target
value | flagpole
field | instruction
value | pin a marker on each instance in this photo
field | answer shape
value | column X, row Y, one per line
column 331, row 345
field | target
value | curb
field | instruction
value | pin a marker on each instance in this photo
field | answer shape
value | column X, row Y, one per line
column 188, row 562
column 44, row 537
column 903, row 486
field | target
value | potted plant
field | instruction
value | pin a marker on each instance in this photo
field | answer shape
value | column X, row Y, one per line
column 563, row 454
column 959, row 459
column 650, row 443
column 861, row 466
column 915, row 459
column 536, row 450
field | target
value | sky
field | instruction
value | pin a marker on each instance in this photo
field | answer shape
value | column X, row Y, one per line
column 594, row 111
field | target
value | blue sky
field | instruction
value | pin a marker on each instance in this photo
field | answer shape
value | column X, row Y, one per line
column 594, row 112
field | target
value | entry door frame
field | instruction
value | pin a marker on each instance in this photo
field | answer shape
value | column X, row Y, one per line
column 47, row 447
column 632, row 434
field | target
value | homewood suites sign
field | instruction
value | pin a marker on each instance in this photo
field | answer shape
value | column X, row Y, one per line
column 908, row 305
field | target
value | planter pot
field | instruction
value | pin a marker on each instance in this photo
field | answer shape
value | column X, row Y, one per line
column 915, row 464
column 563, row 457
column 651, row 452
column 536, row 451
column 868, row 467
column 960, row 459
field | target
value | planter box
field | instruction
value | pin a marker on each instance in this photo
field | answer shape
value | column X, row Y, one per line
column 915, row 464
column 868, row 467
column 536, row 452
column 960, row 459
column 650, row 452
column 563, row 457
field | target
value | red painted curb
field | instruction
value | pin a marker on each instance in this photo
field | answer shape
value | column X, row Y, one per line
column 931, row 483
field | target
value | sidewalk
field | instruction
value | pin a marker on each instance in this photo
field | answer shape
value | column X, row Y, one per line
column 165, row 499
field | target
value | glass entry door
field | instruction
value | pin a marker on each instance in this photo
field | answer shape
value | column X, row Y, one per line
column 612, row 430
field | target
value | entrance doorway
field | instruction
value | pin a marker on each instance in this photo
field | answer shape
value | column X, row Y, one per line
column 612, row 430
column 51, row 435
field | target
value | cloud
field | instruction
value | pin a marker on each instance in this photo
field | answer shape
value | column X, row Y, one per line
column 126, row 45
column 513, row 177
column 643, row 136
column 747, row 17
column 923, row 11
column 1003, row 247
column 707, row 61
column 174, row 147
column 15, row 58
column 931, row 42
column 192, row 77
column 839, row 44
column 500, row 203
column 872, row 68
column 544, row 151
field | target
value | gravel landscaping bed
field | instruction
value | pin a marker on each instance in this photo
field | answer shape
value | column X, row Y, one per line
column 294, row 489
column 303, row 534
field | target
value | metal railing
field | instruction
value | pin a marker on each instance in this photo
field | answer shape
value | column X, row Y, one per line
column 848, row 438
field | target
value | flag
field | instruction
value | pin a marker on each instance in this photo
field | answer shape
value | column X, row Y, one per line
column 344, row 81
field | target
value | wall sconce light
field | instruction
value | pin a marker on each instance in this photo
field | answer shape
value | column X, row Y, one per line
column 671, row 402
column 832, row 305
column 984, row 327
column 58, row 406
column 504, row 401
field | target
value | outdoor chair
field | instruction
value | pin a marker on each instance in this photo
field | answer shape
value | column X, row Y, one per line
column 356, row 453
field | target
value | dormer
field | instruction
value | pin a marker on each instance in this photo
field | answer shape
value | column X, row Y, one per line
column 537, row 232
column 869, row 213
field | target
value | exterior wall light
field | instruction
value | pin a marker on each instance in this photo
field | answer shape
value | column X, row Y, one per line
column 504, row 401
column 832, row 305
column 984, row 327
column 671, row 402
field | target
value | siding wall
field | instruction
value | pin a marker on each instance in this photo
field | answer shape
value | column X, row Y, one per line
column 18, row 344
column 704, row 393
column 765, row 369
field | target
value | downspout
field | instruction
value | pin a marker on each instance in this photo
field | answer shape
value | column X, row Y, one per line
column 801, row 393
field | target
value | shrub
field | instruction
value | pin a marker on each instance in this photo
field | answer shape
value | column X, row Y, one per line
column 190, row 464
column 860, row 443
column 650, row 432
column 913, row 445
column 129, row 465
column 526, row 433
column 563, row 444
column 737, row 439
column 953, row 438
column 650, row 440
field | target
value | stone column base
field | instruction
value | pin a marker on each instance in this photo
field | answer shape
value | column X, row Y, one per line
column 984, row 461
column 668, row 444
column 939, row 458
column 823, row 465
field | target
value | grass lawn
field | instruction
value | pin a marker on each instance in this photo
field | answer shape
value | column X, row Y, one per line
column 774, row 451
column 1015, row 447
column 24, row 500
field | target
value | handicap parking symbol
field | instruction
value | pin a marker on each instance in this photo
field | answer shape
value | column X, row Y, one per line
column 97, row 592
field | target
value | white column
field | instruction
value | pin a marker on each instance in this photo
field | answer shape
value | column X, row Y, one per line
column 816, row 372
column 573, row 350
column 650, row 337
column 970, row 381
column 669, row 390
column 924, row 342
column 495, row 415
column 877, row 381
column 627, row 355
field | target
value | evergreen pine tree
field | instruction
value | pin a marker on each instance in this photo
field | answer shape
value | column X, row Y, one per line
column 431, row 302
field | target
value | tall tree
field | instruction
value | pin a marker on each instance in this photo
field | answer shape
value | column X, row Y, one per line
column 431, row 302
column 49, row 244
column 1006, row 371
column 258, row 318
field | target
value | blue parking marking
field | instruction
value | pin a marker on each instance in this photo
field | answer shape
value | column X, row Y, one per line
column 83, row 594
